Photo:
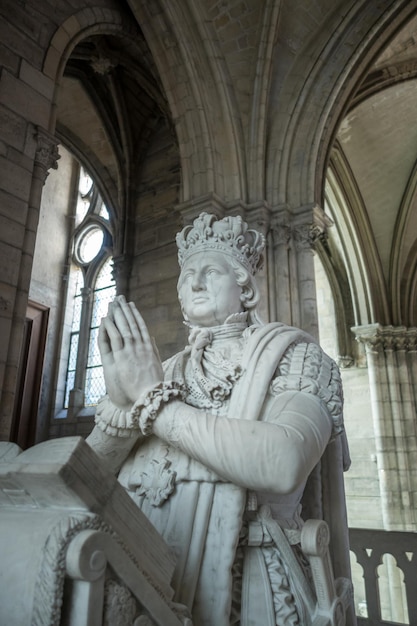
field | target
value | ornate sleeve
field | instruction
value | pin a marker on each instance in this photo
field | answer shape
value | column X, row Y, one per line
column 306, row 367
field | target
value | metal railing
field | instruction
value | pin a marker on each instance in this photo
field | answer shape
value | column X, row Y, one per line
column 369, row 547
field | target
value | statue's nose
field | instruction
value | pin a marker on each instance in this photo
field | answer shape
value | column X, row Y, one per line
column 198, row 282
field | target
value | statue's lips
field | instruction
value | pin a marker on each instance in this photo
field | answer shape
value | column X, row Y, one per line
column 199, row 299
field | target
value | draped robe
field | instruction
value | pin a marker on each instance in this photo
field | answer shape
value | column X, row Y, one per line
column 198, row 513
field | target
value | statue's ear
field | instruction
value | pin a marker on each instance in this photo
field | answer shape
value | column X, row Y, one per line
column 246, row 295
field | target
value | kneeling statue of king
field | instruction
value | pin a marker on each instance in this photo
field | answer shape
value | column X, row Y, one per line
column 215, row 445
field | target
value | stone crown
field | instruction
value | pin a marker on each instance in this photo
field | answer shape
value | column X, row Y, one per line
column 230, row 236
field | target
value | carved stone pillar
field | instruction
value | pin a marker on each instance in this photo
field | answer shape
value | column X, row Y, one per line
column 392, row 365
column 76, row 397
column 45, row 157
column 293, row 235
column 122, row 266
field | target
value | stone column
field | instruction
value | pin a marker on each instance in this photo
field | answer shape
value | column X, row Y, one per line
column 76, row 396
column 45, row 158
column 392, row 365
column 293, row 236
column 122, row 266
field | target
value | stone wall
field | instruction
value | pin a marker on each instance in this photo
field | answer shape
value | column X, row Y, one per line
column 49, row 280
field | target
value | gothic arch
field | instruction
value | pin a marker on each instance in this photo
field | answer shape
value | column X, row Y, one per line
column 301, row 157
column 358, row 251
column 403, row 265
column 200, row 96
column 83, row 24
column 409, row 289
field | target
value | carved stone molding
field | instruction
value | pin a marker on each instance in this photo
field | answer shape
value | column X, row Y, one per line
column 211, row 203
column 256, row 214
column 47, row 155
column 344, row 361
column 122, row 265
column 304, row 227
column 120, row 606
column 49, row 585
column 395, row 338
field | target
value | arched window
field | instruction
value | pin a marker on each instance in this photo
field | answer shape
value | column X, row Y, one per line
column 91, row 287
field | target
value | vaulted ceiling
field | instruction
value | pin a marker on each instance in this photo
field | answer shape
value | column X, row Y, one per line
column 375, row 158
column 111, row 103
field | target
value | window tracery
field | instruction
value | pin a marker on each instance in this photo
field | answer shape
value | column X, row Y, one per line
column 94, row 288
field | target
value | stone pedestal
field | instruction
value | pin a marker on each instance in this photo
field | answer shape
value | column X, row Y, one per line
column 75, row 548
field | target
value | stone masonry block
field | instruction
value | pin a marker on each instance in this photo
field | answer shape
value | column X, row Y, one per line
column 15, row 179
column 12, row 128
column 5, row 326
column 20, row 158
column 12, row 205
column 38, row 81
column 12, row 231
column 9, row 264
column 61, row 39
column 87, row 17
column 71, row 26
column 11, row 37
column 7, row 300
column 51, row 64
column 9, row 59
column 24, row 100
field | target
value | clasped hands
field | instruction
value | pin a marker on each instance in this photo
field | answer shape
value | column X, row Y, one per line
column 129, row 356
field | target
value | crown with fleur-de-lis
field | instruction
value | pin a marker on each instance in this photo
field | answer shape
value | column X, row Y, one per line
column 230, row 236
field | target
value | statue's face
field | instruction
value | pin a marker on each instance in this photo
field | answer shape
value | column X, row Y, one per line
column 208, row 290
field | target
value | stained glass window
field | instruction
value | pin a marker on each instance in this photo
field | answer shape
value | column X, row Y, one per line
column 104, row 292
column 93, row 270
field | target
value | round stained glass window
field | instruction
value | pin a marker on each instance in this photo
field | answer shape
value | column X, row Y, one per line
column 89, row 244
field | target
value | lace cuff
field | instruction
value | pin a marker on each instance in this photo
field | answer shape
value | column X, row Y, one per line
column 146, row 409
column 114, row 421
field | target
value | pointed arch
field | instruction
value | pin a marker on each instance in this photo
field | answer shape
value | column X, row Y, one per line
column 87, row 22
column 358, row 250
column 200, row 95
column 403, row 262
column 308, row 130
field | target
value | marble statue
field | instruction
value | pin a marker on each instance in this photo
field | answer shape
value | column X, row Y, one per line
column 215, row 445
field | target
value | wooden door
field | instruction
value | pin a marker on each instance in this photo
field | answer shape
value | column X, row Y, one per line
column 30, row 375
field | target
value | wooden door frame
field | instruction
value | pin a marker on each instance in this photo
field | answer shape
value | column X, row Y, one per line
column 30, row 375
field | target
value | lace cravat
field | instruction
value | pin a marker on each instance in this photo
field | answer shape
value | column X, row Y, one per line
column 212, row 373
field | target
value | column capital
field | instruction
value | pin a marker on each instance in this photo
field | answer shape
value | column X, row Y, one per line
column 304, row 226
column 121, row 268
column 395, row 338
column 46, row 155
